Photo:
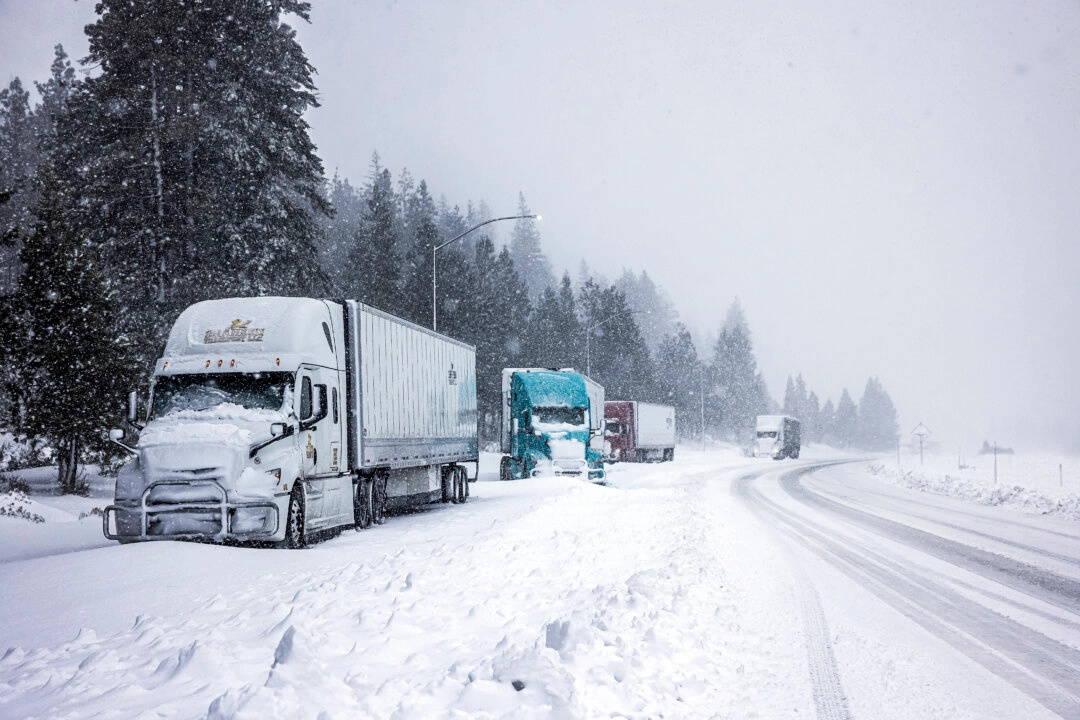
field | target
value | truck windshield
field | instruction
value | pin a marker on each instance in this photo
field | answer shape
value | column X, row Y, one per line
column 255, row 391
column 559, row 415
column 766, row 433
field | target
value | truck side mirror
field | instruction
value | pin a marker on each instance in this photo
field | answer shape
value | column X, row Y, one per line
column 277, row 429
column 133, row 407
column 514, row 425
column 117, row 436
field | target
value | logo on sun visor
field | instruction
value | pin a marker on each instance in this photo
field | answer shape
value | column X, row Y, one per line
column 237, row 332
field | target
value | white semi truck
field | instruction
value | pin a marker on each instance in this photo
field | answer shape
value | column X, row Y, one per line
column 274, row 419
column 777, row 437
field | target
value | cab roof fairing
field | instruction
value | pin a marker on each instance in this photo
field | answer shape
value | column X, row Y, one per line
column 253, row 331
column 553, row 388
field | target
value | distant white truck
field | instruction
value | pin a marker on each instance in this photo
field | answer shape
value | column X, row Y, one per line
column 777, row 437
column 274, row 418
column 639, row 432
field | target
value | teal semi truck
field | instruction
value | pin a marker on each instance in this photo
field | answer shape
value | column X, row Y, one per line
column 551, row 420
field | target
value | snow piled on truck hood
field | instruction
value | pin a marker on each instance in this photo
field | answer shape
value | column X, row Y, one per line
column 226, row 424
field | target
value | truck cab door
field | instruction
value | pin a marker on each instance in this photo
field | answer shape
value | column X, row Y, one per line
column 321, row 433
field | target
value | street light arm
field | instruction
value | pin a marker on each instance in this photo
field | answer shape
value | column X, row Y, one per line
column 486, row 222
column 437, row 248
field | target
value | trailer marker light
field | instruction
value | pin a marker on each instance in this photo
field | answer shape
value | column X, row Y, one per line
column 232, row 363
column 165, row 365
column 207, row 363
column 219, row 362
column 277, row 361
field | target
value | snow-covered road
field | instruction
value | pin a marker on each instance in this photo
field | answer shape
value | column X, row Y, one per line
column 709, row 587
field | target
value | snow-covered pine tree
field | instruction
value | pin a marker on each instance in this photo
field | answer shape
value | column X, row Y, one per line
column 811, row 429
column 555, row 337
column 499, row 314
column 657, row 316
column 846, row 421
column 739, row 394
column 826, row 422
column 616, row 349
column 19, row 158
column 680, row 380
column 529, row 259
column 339, row 233
column 373, row 273
column 74, row 364
column 195, row 156
column 878, row 427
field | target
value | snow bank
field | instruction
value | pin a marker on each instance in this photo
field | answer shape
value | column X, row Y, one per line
column 1026, row 499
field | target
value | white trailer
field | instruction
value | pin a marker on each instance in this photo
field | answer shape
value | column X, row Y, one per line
column 273, row 418
column 639, row 431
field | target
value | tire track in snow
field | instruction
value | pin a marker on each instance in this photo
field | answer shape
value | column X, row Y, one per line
column 830, row 702
column 1029, row 579
column 1040, row 667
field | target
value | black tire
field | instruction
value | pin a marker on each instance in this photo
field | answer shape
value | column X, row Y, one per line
column 444, row 474
column 362, row 504
column 378, row 497
column 296, row 519
column 461, row 479
column 504, row 469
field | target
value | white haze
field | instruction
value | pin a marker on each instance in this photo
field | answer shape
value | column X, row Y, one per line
column 890, row 189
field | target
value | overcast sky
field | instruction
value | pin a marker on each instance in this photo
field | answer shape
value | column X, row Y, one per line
column 890, row 188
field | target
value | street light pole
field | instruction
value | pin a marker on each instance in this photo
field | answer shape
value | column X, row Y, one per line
column 435, row 249
column 588, row 335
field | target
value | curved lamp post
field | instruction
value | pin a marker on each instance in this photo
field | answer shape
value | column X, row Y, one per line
column 588, row 335
column 434, row 316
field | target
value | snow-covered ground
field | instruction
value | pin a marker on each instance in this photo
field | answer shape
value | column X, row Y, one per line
column 661, row 595
column 1036, row 483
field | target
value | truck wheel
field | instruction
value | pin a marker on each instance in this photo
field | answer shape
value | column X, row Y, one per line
column 504, row 469
column 362, row 504
column 795, row 454
column 460, row 481
column 444, row 475
column 295, row 522
column 378, row 498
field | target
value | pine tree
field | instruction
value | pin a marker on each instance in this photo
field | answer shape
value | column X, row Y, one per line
column 615, row 349
column 846, row 421
column 73, row 363
column 811, row 420
column 680, row 380
column 555, row 337
column 500, row 314
column 19, row 158
column 657, row 315
column 198, row 174
column 826, row 423
column 340, row 233
column 738, row 392
column 372, row 276
column 878, row 428
column 529, row 259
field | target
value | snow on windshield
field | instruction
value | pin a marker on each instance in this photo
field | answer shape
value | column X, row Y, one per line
column 558, row 418
column 253, row 391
